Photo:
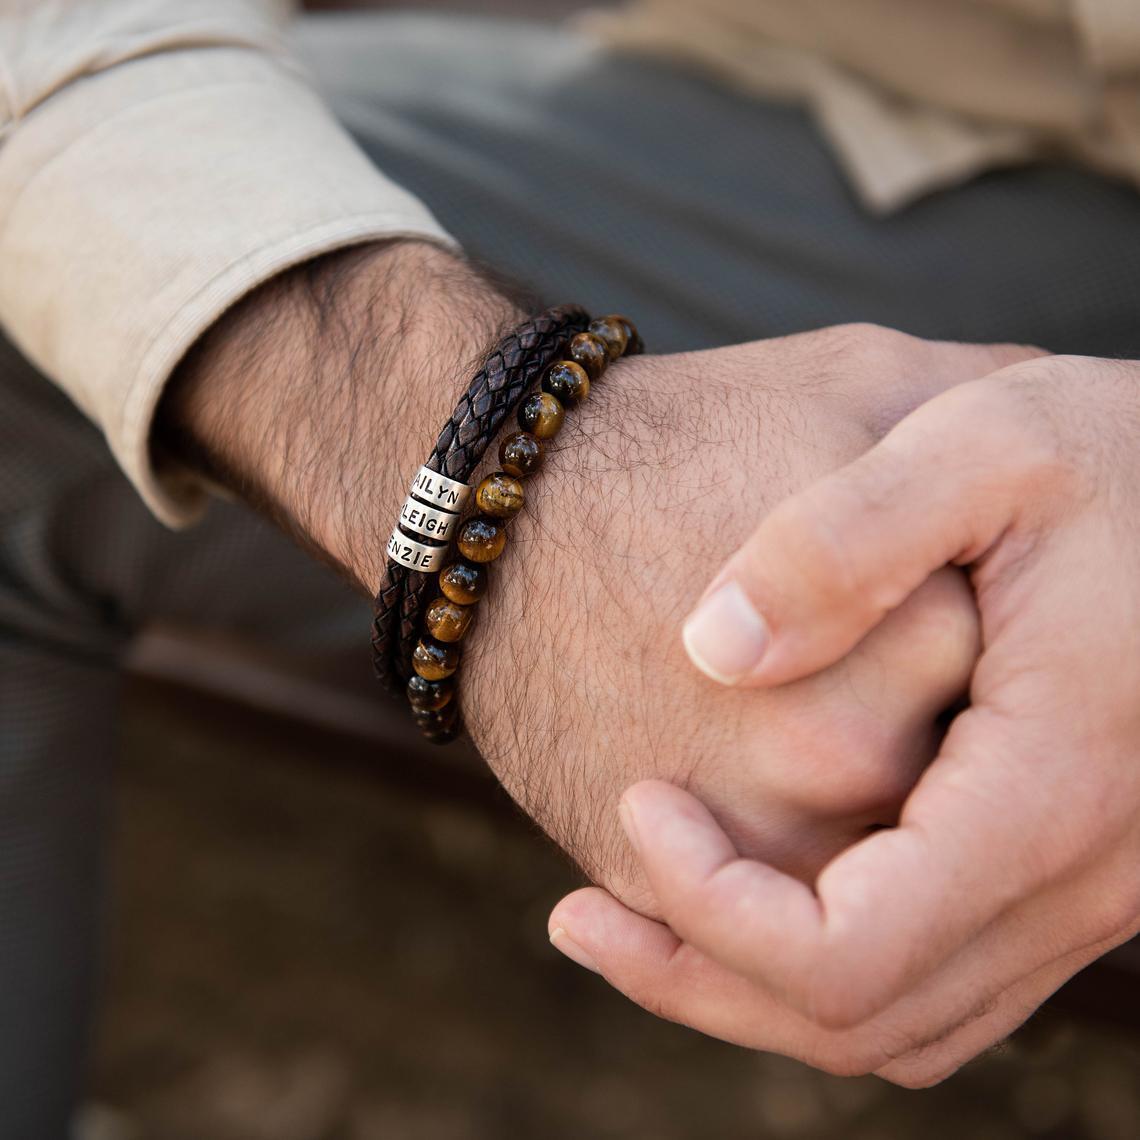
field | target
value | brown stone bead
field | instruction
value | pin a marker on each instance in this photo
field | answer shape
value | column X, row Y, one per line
column 500, row 495
column 446, row 621
column 433, row 660
column 635, row 346
column 481, row 539
column 436, row 718
column 521, row 454
column 567, row 381
column 542, row 415
column 590, row 352
column 463, row 582
column 429, row 696
column 611, row 331
column 441, row 725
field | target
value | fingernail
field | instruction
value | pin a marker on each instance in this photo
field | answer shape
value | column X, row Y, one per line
column 562, row 941
column 725, row 637
column 629, row 825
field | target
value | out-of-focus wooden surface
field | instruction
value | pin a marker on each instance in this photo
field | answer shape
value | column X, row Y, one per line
column 313, row 939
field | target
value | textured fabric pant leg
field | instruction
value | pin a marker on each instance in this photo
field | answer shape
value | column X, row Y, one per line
column 82, row 567
column 59, row 691
column 56, row 715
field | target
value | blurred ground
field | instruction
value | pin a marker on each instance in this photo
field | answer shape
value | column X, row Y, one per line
column 302, row 949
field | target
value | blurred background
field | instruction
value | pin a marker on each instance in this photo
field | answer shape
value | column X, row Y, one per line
column 321, row 931
column 316, row 939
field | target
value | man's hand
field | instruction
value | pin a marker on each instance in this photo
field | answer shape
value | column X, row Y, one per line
column 321, row 394
column 576, row 685
column 1016, row 859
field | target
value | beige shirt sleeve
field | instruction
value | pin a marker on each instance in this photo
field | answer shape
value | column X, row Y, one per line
column 159, row 159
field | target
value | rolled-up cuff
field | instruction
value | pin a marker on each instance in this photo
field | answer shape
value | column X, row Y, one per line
column 139, row 204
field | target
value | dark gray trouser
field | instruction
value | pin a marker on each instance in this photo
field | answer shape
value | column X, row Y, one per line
column 619, row 184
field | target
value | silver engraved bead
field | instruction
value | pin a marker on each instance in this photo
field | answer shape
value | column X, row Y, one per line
column 405, row 551
column 427, row 520
column 439, row 491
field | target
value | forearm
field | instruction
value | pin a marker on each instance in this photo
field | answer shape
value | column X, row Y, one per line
column 318, row 396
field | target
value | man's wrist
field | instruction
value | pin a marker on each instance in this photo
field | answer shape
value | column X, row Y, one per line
column 318, row 396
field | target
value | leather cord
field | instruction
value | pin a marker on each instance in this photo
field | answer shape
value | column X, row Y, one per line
column 508, row 372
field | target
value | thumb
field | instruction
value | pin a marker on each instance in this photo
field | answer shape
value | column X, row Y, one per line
column 829, row 563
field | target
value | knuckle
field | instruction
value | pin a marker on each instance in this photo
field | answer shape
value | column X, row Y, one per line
column 838, row 1001
column 928, row 646
column 877, row 783
column 918, row 1074
column 858, row 355
column 940, row 618
column 866, row 335
column 842, row 766
column 846, row 1058
column 853, row 360
column 889, row 1051
column 875, row 713
column 839, row 1010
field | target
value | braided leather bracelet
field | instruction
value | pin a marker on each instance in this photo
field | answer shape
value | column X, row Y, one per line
column 507, row 373
column 482, row 538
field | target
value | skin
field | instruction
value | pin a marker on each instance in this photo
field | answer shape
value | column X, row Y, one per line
column 574, row 683
column 646, row 485
column 1016, row 859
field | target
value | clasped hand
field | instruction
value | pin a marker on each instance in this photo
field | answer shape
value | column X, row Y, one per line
column 1013, row 861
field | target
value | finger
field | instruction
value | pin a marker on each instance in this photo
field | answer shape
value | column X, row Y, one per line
column 889, row 911
column 745, row 915
column 646, row 962
column 652, row 967
column 997, row 1018
column 827, row 564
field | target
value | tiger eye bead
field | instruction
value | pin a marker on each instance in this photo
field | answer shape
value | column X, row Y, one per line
column 542, row 415
column 433, row 660
column 464, row 583
column 482, row 540
column 634, row 344
column 428, row 696
column 500, row 495
column 441, row 725
column 446, row 621
column 568, row 381
column 590, row 352
column 611, row 331
column 520, row 454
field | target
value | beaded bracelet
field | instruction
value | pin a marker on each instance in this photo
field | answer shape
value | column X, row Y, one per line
column 440, row 488
column 482, row 537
